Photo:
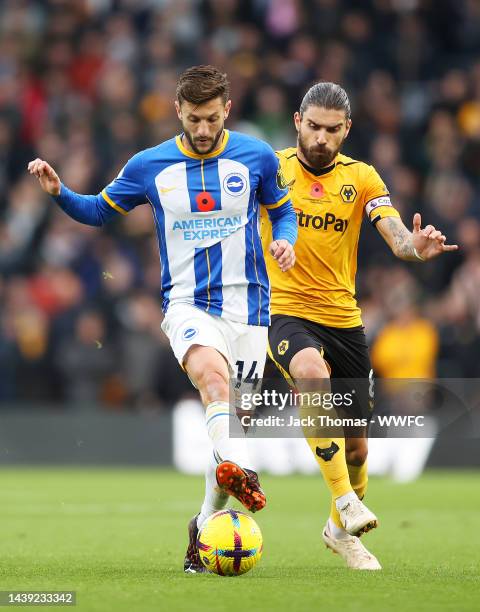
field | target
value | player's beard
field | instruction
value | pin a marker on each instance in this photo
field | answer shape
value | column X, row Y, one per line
column 317, row 157
column 212, row 147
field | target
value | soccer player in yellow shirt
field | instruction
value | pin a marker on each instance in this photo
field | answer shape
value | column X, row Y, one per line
column 316, row 333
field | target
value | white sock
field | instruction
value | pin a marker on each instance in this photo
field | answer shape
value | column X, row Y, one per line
column 215, row 498
column 338, row 533
column 217, row 419
column 344, row 499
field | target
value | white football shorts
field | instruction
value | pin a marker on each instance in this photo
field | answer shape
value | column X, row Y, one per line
column 243, row 346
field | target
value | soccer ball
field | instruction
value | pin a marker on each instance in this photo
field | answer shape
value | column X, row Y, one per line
column 230, row 543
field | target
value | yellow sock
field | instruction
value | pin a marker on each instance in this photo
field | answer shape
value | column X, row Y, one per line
column 359, row 478
column 358, row 475
column 329, row 452
column 330, row 456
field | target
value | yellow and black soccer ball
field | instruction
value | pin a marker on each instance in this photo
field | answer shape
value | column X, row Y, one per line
column 230, row 543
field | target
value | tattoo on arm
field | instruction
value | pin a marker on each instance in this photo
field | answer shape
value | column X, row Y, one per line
column 402, row 239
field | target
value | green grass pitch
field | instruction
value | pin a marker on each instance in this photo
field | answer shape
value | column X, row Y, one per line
column 117, row 537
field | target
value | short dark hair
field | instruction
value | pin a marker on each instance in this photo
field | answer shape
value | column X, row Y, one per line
column 326, row 95
column 200, row 84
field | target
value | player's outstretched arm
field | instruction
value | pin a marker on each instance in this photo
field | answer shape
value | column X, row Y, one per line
column 419, row 245
column 87, row 209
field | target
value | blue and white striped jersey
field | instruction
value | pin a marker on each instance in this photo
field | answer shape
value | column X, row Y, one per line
column 206, row 211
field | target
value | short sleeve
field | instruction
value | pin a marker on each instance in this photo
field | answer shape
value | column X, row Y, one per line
column 273, row 189
column 376, row 198
column 127, row 190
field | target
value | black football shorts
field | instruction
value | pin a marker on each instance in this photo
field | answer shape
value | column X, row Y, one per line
column 344, row 350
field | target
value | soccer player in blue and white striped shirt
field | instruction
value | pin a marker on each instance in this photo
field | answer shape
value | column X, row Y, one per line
column 205, row 188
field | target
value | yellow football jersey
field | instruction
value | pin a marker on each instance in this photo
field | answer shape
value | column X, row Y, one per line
column 330, row 207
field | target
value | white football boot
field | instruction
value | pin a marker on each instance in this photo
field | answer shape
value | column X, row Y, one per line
column 352, row 550
column 356, row 518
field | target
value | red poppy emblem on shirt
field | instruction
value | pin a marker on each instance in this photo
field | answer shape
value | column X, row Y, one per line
column 205, row 202
column 317, row 190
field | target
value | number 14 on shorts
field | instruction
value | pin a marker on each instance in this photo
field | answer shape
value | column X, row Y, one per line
column 246, row 375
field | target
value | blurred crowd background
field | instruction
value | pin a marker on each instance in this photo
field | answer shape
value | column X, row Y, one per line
column 85, row 84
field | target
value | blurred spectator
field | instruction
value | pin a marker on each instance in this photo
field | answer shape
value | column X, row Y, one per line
column 272, row 116
column 152, row 375
column 457, row 311
column 407, row 346
column 85, row 361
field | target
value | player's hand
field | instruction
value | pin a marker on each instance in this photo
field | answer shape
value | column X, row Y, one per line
column 429, row 242
column 46, row 175
column 283, row 252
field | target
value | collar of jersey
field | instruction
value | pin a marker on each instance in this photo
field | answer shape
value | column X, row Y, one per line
column 320, row 172
column 185, row 151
